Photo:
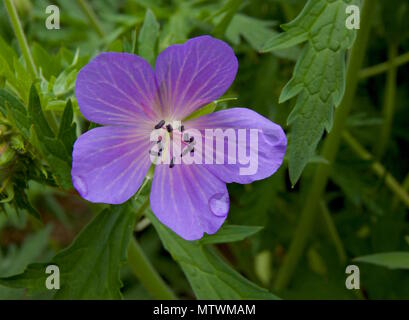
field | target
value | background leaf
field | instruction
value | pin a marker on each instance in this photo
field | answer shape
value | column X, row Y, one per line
column 148, row 37
column 209, row 276
column 319, row 75
column 392, row 260
column 89, row 268
column 230, row 233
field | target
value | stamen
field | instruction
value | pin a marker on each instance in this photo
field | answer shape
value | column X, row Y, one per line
column 169, row 128
column 191, row 139
column 159, row 139
column 154, row 153
column 172, row 164
column 182, row 128
column 160, row 124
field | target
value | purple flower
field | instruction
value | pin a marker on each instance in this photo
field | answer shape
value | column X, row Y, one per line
column 124, row 94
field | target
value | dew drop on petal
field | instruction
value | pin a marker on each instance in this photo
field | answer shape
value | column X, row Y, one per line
column 80, row 185
column 219, row 204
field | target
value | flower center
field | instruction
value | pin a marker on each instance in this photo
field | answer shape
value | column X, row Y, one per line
column 168, row 135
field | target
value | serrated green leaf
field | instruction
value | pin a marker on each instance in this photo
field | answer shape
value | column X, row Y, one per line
column 391, row 260
column 230, row 233
column 209, row 276
column 90, row 267
column 148, row 37
column 319, row 75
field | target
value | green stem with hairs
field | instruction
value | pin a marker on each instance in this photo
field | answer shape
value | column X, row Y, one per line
column 383, row 67
column 91, row 16
column 388, row 108
column 144, row 270
column 329, row 152
column 378, row 168
column 21, row 38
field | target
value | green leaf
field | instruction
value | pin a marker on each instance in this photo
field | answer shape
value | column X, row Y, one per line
column 17, row 259
column 37, row 117
column 230, row 233
column 391, row 260
column 90, row 267
column 229, row 9
column 54, row 149
column 65, row 82
column 319, row 75
column 7, row 53
column 256, row 32
column 208, row 274
column 148, row 37
column 49, row 64
column 209, row 108
column 15, row 111
column 67, row 131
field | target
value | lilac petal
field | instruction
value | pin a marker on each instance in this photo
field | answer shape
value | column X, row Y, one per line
column 270, row 148
column 109, row 163
column 117, row 89
column 189, row 200
column 194, row 74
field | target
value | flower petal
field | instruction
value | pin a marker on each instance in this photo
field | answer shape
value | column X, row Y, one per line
column 268, row 150
column 117, row 89
column 189, row 200
column 194, row 74
column 109, row 163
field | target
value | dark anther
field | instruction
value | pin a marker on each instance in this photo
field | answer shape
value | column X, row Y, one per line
column 159, row 139
column 154, row 153
column 191, row 139
column 169, row 128
column 160, row 124
column 192, row 152
column 172, row 164
column 182, row 128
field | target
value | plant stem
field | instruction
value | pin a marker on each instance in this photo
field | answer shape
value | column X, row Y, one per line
column 378, row 168
column 91, row 16
column 144, row 270
column 21, row 38
column 330, row 149
column 383, row 67
column 405, row 186
column 388, row 109
column 333, row 233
